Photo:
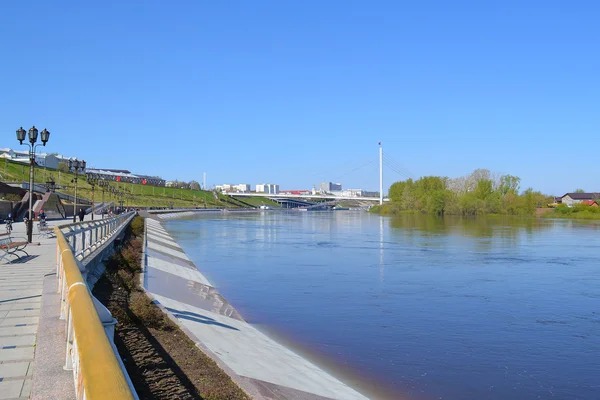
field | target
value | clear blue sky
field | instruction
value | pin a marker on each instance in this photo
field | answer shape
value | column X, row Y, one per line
column 300, row 92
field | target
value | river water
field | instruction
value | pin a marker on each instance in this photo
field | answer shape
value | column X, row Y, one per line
column 416, row 307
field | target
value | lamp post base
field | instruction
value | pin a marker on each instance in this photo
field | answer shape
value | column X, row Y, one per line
column 29, row 230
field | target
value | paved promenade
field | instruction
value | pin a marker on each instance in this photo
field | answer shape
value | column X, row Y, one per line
column 263, row 367
column 21, row 283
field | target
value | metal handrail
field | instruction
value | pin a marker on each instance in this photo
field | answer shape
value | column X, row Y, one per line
column 97, row 372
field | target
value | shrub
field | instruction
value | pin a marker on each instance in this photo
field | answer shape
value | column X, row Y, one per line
column 128, row 278
column 148, row 312
column 132, row 253
column 137, row 226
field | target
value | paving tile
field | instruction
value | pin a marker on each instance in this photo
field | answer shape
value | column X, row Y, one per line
column 21, row 313
column 19, row 321
column 18, row 330
column 11, row 389
column 10, row 370
column 19, row 353
column 26, row 390
column 22, row 340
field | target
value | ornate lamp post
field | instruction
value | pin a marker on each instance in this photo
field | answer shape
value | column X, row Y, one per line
column 33, row 134
column 92, row 180
column 76, row 166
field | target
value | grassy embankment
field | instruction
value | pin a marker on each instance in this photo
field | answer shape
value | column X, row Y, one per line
column 143, row 195
column 257, row 201
column 162, row 361
column 578, row 211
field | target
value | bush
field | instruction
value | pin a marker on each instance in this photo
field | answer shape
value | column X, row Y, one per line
column 148, row 312
column 137, row 226
column 129, row 279
column 132, row 253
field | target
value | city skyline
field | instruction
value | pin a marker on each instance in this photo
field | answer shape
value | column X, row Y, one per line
column 305, row 92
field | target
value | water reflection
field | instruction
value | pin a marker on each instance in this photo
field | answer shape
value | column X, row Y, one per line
column 451, row 307
column 489, row 232
column 381, row 261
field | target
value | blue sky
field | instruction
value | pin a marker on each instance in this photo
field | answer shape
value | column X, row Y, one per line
column 301, row 92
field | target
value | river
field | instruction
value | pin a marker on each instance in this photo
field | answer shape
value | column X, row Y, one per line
column 416, row 307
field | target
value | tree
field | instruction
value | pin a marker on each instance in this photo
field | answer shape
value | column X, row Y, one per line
column 475, row 177
column 396, row 191
column 63, row 166
column 194, row 185
column 509, row 184
column 579, row 191
column 484, row 189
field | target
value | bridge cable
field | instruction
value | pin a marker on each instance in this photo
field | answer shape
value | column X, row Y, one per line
column 397, row 166
column 396, row 170
column 355, row 169
column 338, row 167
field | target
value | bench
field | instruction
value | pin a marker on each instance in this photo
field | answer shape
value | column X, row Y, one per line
column 10, row 247
column 44, row 230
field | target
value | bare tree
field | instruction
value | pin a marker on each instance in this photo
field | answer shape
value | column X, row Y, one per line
column 194, row 185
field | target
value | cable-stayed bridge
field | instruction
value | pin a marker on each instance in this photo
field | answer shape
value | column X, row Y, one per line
column 314, row 200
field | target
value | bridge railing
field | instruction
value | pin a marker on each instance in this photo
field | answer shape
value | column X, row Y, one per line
column 90, row 353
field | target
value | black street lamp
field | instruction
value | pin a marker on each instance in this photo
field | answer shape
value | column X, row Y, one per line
column 92, row 179
column 33, row 134
column 76, row 166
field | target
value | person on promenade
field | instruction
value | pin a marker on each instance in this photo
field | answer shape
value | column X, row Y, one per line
column 42, row 216
column 81, row 214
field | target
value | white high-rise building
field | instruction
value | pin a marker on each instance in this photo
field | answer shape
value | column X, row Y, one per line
column 269, row 188
column 242, row 188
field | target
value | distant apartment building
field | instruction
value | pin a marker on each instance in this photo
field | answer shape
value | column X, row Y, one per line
column 367, row 193
column 41, row 159
column 269, row 188
column 123, row 175
column 330, row 187
column 227, row 187
column 242, row 188
column 352, row 193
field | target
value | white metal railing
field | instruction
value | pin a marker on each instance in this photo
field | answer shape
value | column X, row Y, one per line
column 98, row 371
column 85, row 237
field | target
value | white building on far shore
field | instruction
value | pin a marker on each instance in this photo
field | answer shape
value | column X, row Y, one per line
column 227, row 187
column 269, row 188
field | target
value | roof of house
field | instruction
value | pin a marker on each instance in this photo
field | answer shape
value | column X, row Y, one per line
column 122, row 171
column 589, row 202
column 583, row 196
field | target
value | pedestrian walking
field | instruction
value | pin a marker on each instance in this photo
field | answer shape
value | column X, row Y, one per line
column 81, row 214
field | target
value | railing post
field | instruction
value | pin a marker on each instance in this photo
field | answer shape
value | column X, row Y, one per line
column 74, row 244
column 69, row 357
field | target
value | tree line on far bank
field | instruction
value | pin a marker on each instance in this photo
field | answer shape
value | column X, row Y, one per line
column 481, row 192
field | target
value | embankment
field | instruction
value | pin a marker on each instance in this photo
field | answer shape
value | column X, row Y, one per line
column 262, row 367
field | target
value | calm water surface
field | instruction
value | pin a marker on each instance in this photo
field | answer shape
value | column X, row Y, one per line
column 422, row 308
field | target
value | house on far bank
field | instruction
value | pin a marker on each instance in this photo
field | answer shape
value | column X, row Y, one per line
column 591, row 203
column 570, row 199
